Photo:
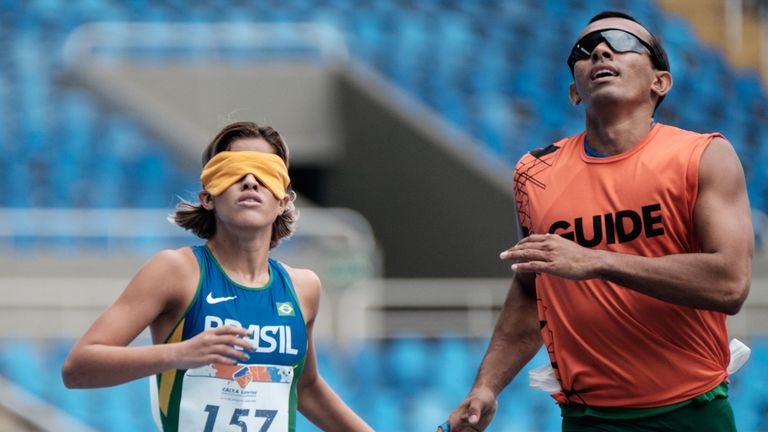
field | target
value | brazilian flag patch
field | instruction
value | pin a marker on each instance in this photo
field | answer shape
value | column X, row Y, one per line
column 285, row 309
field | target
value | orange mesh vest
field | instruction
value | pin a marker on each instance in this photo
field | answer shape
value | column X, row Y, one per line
column 611, row 346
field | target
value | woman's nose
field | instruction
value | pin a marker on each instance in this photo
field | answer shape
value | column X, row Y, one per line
column 250, row 181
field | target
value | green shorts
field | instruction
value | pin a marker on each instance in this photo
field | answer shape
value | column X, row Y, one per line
column 715, row 415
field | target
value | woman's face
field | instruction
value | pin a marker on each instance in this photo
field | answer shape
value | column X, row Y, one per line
column 247, row 203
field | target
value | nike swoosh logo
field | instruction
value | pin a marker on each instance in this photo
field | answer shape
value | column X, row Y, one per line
column 213, row 300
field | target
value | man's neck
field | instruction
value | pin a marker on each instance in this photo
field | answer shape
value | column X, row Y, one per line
column 612, row 135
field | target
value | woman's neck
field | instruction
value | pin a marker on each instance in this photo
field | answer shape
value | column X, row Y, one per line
column 244, row 258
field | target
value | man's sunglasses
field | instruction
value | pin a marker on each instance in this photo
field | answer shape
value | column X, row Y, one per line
column 620, row 41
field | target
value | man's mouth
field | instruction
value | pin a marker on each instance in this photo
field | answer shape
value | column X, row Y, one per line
column 603, row 72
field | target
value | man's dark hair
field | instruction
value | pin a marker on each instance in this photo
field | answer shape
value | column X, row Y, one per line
column 661, row 61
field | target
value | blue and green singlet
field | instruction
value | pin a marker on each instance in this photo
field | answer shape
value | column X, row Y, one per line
column 257, row 395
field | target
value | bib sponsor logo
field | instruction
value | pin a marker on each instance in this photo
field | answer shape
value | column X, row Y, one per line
column 620, row 227
column 265, row 339
column 243, row 377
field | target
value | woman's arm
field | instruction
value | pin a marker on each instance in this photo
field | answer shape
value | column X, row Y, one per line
column 716, row 278
column 317, row 401
column 161, row 288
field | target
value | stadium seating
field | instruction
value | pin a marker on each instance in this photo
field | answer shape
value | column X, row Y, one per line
column 495, row 69
column 381, row 386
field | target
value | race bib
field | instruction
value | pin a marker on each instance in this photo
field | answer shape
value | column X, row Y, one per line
column 238, row 398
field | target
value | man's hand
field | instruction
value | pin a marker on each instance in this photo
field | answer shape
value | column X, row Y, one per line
column 474, row 413
column 553, row 254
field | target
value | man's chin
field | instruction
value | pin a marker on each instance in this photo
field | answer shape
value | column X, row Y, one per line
column 607, row 97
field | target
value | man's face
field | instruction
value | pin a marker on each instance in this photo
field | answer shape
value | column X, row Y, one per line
column 609, row 76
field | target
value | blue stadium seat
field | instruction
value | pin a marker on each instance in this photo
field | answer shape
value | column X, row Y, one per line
column 407, row 361
column 387, row 412
column 364, row 360
column 22, row 362
column 426, row 409
column 453, row 369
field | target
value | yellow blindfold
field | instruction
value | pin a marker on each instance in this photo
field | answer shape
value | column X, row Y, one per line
column 228, row 167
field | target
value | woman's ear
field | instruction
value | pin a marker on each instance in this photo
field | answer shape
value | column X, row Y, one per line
column 206, row 200
column 283, row 204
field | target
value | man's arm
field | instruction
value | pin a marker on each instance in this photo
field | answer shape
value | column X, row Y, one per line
column 515, row 340
column 716, row 278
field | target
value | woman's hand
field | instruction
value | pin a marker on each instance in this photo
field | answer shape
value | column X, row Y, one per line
column 213, row 346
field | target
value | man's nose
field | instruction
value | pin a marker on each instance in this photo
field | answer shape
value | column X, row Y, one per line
column 603, row 50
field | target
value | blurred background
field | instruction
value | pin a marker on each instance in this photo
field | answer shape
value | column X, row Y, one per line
column 404, row 119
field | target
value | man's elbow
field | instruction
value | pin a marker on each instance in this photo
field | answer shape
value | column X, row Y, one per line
column 737, row 295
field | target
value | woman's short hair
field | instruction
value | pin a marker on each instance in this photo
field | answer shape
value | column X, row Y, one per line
column 201, row 221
